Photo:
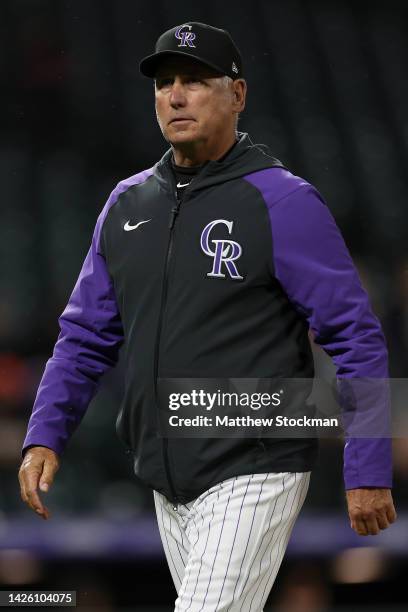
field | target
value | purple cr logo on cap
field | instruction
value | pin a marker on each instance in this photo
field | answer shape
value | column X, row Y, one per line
column 185, row 37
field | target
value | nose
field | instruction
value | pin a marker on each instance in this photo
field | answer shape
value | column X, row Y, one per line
column 177, row 97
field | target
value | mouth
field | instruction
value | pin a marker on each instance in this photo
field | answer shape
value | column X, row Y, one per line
column 181, row 120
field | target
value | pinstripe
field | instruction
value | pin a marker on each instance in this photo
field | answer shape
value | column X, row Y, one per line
column 246, row 547
column 175, row 539
column 167, row 542
column 190, row 565
column 219, row 539
column 302, row 498
column 284, row 534
column 278, row 543
column 205, row 548
column 179, row 520
column 293, row 519
column 185, row 547
column 237, row 532
column 273, row 573
column 270, row 541
column 277, row 497
column 247, row 571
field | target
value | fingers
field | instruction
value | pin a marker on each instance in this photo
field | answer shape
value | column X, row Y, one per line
column 37, row 469
column 366, row 526
column 371, row 524
column 390, row 513
column 370, row 511
column 359, row 526
column 29, row 477
column 382, row 521
column 48, row 473
column 27, row 474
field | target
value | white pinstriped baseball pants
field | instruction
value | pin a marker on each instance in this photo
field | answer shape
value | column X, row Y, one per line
column 225, row 547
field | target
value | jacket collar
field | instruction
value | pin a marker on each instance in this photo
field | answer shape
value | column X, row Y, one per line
column 244, row 158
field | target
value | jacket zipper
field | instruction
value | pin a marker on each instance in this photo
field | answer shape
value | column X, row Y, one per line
column 174, row 212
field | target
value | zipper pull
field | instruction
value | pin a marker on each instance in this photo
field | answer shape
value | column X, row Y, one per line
column 174, row 212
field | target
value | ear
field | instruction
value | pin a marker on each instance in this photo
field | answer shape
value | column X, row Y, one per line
column 240, row 90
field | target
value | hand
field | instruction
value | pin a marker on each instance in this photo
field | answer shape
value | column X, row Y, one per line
column 370, row 510
column 38, row 468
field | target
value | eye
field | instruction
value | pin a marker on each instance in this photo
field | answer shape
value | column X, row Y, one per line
column 160, row 83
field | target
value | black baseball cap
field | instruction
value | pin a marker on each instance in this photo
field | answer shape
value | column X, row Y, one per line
column 209, row 45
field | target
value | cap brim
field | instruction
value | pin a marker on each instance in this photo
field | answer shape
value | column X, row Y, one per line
column 148, row 66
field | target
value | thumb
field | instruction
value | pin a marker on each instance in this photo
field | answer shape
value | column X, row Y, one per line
column 47, row 476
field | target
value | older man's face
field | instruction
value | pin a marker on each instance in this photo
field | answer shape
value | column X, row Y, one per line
column 193, row 103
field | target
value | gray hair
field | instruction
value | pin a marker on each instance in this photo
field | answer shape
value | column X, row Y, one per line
column 226, row 83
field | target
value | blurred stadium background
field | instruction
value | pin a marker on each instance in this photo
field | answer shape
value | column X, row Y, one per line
column 328, row 92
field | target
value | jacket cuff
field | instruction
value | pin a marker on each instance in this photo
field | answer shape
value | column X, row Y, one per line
column 368, row 463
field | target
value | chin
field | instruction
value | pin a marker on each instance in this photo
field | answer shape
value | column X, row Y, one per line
column 178, row 136
column 178, row 139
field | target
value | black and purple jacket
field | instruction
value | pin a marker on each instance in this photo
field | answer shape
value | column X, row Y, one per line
column 225, row 283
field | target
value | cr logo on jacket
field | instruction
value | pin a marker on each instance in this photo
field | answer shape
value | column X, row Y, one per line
column 225, row 251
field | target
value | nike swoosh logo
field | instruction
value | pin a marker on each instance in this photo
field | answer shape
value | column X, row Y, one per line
column 182, row 184
column 129, row 228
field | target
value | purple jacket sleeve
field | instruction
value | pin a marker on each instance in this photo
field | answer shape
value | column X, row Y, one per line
column 316, row 271
column 87, row 346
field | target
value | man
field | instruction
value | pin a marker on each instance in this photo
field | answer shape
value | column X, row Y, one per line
column 212, row 264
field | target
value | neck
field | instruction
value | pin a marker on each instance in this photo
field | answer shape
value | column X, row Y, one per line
column 196, row 153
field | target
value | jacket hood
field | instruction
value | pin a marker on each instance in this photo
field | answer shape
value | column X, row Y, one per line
column 244, row 158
